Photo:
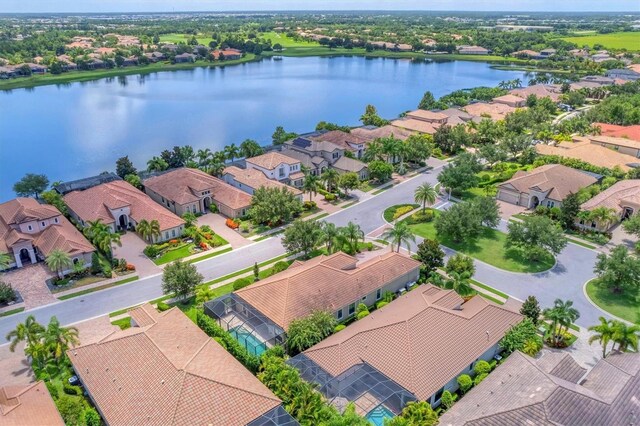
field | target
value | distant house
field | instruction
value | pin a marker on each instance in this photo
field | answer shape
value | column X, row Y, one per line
column 546, row 186
column 37, row 68
column 623, row 74
column 547, row 53
column 413, row 125
column 278, row 166
column 28, row 405
column 191, row 190
column 318, row 152
column 349, row 141
column 614, row 130
column 249, row 180
column 434, row 117
column 621, row 145
column 511, row 100
column 170, row 47
column 538, row 90
column 552, row 390
column 164, row 370
column 184, row 57
column 473, row 50
column 67, row 63
column 598, row 79
column 121, row 206
column 30, row 231
column 227, row 54
column 155, row 56
column 601, row 57
column 130, row 61
column 492, row 110
column 526, row 54
column 412, row 349
column 371, row 133
column 582, row 149
column 623, row 197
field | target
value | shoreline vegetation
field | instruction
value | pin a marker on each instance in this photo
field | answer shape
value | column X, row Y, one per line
column 84, row 76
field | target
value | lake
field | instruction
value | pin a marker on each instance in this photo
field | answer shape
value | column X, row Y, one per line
column 79, row 129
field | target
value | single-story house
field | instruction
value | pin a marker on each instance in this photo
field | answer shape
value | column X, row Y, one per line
column 121, row 206
column 191, row 190
column 621, row 145
column 155, row 56
column 552, row 390
column 227, row 54
column 623, row 74
column 248, row 180
column 346, row 164
column 616, row 131
column 546, row 185
column 623, row 197
column 185, row 57
column 412, row 349
column 371, row 133
column 413, row 125
column 28, row 405
column 532, row 54
column 493, row 111
column 582, row 149
column 473, row 50
column 539, row 91
column 511, row 100
column 547, row 53
column 165, row 370
column 337, row 283
column 30, row 231
column 277, row 166
column 435, row 117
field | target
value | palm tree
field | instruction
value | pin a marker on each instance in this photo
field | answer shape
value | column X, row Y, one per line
column 204, row 155
column 148, row 230
column 204, row 294
column 29, row 332
column 5, row 261
column 310, row 184
column 105, row 241
column 374, row 151
column 330, row 178
column 391, row 148
column 459, row 282
column 603, row 216
column 603, row 333
column 58, row 339
column 215, row 167
column 399, row 234
column 58, row 261
column 352, row 233
column 626, row 336
column 562, row 315
column 250, row 148
column 94, row 228
column 517, row 82
column 157, row 164
column 424, row 194
column 331, row 235
column 231, row 151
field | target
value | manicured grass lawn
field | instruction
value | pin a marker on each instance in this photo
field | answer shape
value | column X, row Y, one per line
column 102, row 287
column 210, row 255
column 11, row 312
column 489, row 247
column 490, row 289
column 285, row 41
column 390, row 211
column 176, row 38
column 620, row 305
column 620, row 40
column 171, row 255
column 123, row 323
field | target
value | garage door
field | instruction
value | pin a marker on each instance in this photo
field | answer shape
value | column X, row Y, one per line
column 507, row 196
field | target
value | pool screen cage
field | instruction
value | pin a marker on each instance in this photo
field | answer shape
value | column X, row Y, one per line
column 276, row 417
column 233, row 313
column 361, row 384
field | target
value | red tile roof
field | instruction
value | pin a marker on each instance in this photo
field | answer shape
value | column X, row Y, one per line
column 30, row 405
column 94, row 203
column 169, row 373
column 629, row 132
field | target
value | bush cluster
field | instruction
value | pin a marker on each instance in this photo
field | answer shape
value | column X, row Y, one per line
column 401, row 211
column 242, row 283
column 7, row 293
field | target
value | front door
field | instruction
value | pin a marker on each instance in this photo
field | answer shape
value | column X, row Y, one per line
column 628, row 211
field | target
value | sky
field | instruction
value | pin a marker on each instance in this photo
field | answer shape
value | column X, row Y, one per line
column 98, row 6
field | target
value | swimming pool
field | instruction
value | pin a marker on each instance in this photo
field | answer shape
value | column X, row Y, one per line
column 248, row 340
column 377, row 415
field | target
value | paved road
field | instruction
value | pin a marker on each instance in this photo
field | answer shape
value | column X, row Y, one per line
column 565, row 280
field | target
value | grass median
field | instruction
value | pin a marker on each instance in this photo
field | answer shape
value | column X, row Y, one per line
column 622, row 305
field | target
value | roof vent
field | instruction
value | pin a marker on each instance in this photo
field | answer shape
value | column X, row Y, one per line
column 162, row 381
column 487, row 334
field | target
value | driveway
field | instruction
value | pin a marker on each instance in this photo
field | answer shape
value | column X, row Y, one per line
column 217, row 223
column 30, row 281
column 507, row 209
column 619, row 238
column 132, row 250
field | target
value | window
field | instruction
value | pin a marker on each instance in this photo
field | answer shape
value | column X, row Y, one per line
column 378, row 294
column 340, row 314
column 173, row 232
column 30, row 228
column 166, row 235
column 352, row 308
column 593, row 224
column 281, row 172
column 43, row 223
column 55, row 220
column 439, row 394
column 364, row 298
column 550, row 203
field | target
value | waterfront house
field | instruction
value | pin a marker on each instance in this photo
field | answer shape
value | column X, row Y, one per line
column 227, row 54
column 547, row 53
column 412, row 349
column 155, row 56
column 348, row 141
column 552, row 390
column 539, row 91
column 28, row 405
column 623, row 197
column 473, row 50
column 546, row 186
column 121, row 206
column 314, row 165
column 248, row 180
column 30, row 231
column 165, row 370
column 492, row 110
column 191, row 190
column 184, row 58
column 511, row 100
column 277, row 166
column 371, row 133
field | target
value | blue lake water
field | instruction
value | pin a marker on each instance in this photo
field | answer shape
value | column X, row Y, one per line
column 80, row 129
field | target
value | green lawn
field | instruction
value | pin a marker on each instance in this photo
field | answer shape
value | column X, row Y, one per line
column 489, row 247
column 620, row 40
column 98, row 288
column 123, row 323
column 175, row 254
column 176, row 38
column 287, row 41
column 11, row 312
column 390, row 211
column 620, row 305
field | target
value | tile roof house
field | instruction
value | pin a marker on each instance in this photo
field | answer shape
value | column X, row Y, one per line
column 166, row 371
column 623, row 197
column 414, row 125
column 346, row 165
column 538, row 90
column 546, row 185
column 278, row 166
column 582, row 149
column 227, row 54
column 185, row 190
column 371, row 133
column 621, row 145
column 317, row 153
column 494, row 111
column 30, row 231
column 248, row 180
column 420, row 342
column 28, row 405
column 613, row 130
column 348, row 141
column 121, row 206
column 511, row 100
column 473, row 50
column 552, row 390
column 623, row 74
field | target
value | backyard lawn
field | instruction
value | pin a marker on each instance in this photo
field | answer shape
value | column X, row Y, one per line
column 620, row 305
column 620, row 40
column 489, row 247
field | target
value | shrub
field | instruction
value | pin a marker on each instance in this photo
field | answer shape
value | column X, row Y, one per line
column 482, row 367
column 460, row 264
column 71, row 409
column 381, row 303
column 306, row 332
column 479, row 378
column 422, row 216
column 244, row 227
column 339, row 327
column 162, row 306
column 362, row 314
column 203, row 245
column 309, row 205
column 241, row 283
column 91, row 417
column 465, row 382
column 213, row 208
column 532, row 346
column 174, row 242
column 122, row 264
column 329, row 197
column 280, row 266
column 71, row 390
column 151, row 251
column 130, row 267
column 448, row 399
column 401, row 211
column 53, row 390
column 369, row 246
column 7, row 293
column 106, row 271
column 542, row 210
column 515, row 338
column 231, row 223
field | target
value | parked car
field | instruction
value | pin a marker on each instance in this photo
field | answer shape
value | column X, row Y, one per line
column 74, row 381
